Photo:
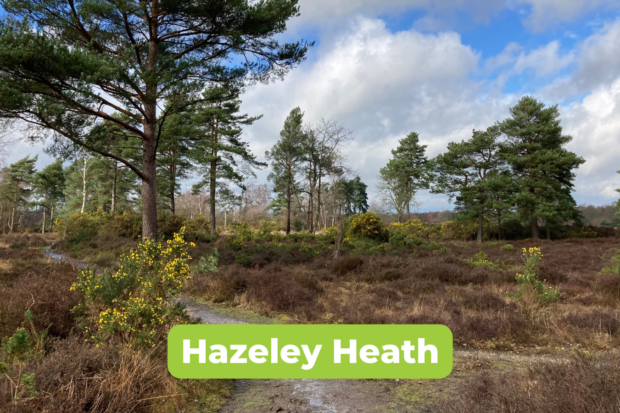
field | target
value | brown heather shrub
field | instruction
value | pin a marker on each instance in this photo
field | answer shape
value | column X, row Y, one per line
column 79, row 377
column 551, row 273
column 41, row 287
column 605, row 321
column 346, row 264
column 481, row 300
column 584, row 384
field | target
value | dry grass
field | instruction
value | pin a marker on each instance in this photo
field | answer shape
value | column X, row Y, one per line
column 429, row 287
column 72, row 374
column 584, row 384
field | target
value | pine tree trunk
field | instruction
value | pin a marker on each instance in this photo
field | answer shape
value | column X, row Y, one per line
column 12, row 220
column 149, row 187
column 172, row 188
column 84, row 185
column 548, row 230
column 499, row 226
column 212, row 177
column 480, row 228
column 339, row 234
column 149, row 144
column 43, row 226
column 288, row 211
column 310, row 205
column 535, row 229
column 113, row 204
column 52, row 219
column 318, row 204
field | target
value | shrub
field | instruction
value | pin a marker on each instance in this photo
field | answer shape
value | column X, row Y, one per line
column 268, row 231
column 584, row 384
column 207, row 263
column 507, row 248
column 133, row 305
column 480, row 260
column 613, row 267
column 367, row 225
column 528, row 278
column 243, row 260
column 17, row 245
column 127, row 225
column 582, row 232
column 453, row 230
column 344, row 265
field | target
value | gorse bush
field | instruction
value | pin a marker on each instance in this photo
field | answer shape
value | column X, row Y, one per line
column 367, row 225
column 453, row 230
column 240, row 233
column 133, row 304
column 268, row 231
column 529, row 280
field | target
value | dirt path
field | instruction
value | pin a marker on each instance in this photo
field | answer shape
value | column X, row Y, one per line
column 345, row 396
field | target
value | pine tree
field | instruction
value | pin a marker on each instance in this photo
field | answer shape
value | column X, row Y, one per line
column 541, row 166
column 49, row 186
column 355, row 196
column 407, row 171
column 17, row 189
column 174, row 161
column 69, row 65
column 286, row 156
column 471, row 173
column 219, row 151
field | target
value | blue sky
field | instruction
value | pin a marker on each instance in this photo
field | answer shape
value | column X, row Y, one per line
column 384, row 68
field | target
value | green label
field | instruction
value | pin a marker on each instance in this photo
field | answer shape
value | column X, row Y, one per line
column 246, row 351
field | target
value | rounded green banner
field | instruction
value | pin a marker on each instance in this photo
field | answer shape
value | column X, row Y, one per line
column 247, row 351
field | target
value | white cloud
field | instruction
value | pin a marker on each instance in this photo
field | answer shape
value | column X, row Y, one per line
column 597, row 62
column 382, row 85
column 546, row 13
column 595, row 127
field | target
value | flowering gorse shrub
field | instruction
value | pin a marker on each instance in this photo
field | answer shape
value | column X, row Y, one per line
column 453, row 230
column 367, row 225
column 528, row 279
column 239, row 233
column 133, row 304
column 268, row 231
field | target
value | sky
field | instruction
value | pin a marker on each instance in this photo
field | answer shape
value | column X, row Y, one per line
column 441, row 68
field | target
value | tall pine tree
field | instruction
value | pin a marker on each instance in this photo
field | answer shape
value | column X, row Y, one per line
column 407, row 171
column 69, row 65
column 542, row 168
column 286, row 156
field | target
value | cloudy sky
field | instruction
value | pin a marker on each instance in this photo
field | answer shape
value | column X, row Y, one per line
column 384, row 68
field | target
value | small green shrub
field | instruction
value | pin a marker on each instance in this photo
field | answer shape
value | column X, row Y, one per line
column 207, row 263
column 507, row 248
column 17, row 245
column 243, row 260
column 613, row 267
column 480, row 260
column 529, row 279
